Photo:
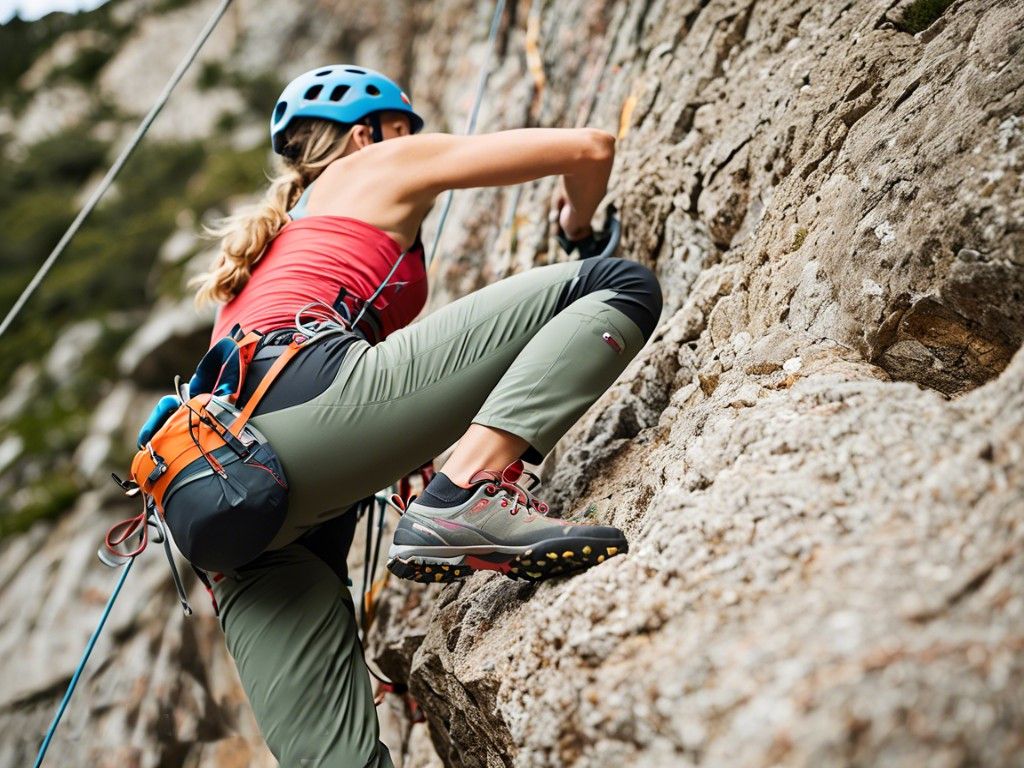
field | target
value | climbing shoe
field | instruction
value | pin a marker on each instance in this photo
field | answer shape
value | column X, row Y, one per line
column 495, row 525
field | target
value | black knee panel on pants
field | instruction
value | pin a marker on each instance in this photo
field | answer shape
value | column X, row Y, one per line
column 637, row 291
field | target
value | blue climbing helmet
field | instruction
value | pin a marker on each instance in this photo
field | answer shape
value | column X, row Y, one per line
column 340, row 92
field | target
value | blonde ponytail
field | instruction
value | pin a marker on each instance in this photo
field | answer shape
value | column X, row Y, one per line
column 311, row 146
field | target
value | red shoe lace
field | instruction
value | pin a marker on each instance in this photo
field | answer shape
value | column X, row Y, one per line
column 507, row 481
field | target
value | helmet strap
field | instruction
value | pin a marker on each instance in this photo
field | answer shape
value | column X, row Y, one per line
column 377, row 131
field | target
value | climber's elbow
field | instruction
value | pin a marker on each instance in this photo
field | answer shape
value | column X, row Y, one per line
column 599, row 146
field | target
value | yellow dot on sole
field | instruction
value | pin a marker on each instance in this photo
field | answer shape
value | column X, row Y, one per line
column 612, row 551
column 427, row 569
column 586, row 550
column 567, row 553
column 438, row 576
column 552, row 556
column 600, row 558
column 527, row 562
column 533, row 575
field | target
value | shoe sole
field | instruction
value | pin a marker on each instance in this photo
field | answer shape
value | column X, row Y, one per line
column 532, row 562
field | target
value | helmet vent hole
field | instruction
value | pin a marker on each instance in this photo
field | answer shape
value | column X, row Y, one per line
column 280, row 110
column 373, row 90
column 313, row 92
column 338, row 92
column 355, row 71
column 323, row 72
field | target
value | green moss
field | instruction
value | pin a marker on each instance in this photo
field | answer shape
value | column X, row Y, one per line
column 259, row 91
column 107, row 265
column 85, row 67
column 22, row 42
column 798, row 239
column 225, row 173
column 169, row 5
column 921, row 14
column 67, row 159
column 48, row 498
column 211, row 74
column 227, row 122
column 110, row 267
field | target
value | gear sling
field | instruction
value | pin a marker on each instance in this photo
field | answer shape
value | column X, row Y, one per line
column 204, row 469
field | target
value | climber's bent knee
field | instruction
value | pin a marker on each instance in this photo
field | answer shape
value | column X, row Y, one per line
column 637, row 291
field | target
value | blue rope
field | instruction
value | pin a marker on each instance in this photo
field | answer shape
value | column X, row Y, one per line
column 81, row 665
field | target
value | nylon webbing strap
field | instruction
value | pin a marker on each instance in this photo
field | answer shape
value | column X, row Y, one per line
column 264, row 385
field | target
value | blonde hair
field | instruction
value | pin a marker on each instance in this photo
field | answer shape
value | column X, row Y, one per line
column 311, row 145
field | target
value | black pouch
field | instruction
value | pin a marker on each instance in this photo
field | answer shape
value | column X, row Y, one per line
column 223, row 513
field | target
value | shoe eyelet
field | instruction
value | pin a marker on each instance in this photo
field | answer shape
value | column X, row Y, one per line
column 490, row 490
column 504, row 502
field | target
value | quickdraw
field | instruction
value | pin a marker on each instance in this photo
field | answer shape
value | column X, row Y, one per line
column 373, row 587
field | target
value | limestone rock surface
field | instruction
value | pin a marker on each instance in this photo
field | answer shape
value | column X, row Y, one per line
column 817, row 459
column 826, row 550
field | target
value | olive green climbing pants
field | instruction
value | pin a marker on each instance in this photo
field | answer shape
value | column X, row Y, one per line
column 524, row 355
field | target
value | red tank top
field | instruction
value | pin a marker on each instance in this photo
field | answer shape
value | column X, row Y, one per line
column 313, row 259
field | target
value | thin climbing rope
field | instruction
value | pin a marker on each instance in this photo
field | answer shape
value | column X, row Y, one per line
column 81, row 665
column 485, row 73
column 116, row 167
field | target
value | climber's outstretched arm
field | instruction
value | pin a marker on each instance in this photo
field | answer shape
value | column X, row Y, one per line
column 433, row 163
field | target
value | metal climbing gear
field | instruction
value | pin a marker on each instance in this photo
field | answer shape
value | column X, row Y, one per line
column 212, row 477
column 375, row 510
column 343, row 93
column 599, row 243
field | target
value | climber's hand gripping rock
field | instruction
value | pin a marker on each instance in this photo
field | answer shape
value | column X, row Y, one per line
column 585, row 240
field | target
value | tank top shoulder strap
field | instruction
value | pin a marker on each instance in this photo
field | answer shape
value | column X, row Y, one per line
column 299, row 211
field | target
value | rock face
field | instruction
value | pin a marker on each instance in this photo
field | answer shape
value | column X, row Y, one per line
column 826, row 551
column 817, row 459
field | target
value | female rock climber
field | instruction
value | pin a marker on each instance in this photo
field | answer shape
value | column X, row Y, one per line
column 504, row 371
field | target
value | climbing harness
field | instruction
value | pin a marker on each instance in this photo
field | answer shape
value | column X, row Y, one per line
column 197, row 443
column 211, row 476
column 115, row 169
